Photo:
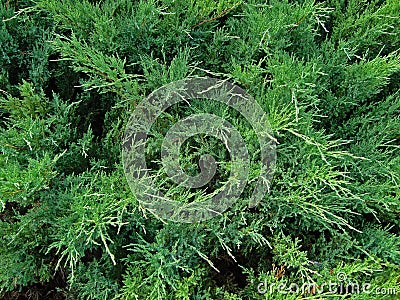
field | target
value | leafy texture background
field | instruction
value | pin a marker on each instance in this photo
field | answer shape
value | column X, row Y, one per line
column 327, row 75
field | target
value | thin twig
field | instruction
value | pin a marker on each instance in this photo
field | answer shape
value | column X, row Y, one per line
column 224, row 12
column 297, row 23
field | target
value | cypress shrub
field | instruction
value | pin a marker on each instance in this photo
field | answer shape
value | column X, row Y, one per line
column 325, row 72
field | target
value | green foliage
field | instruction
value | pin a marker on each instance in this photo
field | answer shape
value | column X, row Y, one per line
column 327, row 75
